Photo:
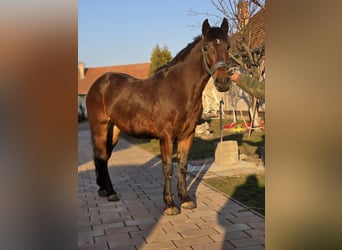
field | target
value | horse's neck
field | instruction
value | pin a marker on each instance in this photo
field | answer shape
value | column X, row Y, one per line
column 194, row 75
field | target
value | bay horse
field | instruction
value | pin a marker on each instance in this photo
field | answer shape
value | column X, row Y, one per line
column 165, row 106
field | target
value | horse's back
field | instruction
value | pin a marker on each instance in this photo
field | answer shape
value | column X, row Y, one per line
column 110, row 78
column 97, row 92
column 106, row 81
column 140, row 107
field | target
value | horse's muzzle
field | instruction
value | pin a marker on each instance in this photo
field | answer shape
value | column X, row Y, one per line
column 222, row 84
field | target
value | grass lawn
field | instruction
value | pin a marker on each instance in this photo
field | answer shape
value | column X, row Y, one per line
column 248, row 189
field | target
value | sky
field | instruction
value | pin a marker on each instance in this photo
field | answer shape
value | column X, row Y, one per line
column 117, row 32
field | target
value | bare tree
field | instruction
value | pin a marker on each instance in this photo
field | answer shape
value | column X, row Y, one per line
column 242, row 16
column 240, row 12
column 229, row 9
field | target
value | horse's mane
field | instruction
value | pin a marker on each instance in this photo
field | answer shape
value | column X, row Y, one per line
column 181, row 55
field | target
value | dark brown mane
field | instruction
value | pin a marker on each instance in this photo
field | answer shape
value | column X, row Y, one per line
column 184, row 52
column 181, row 55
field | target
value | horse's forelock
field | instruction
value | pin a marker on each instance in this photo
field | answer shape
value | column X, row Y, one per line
column 216, row 33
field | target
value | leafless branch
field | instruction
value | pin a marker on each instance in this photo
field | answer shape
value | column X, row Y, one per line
column 237, row 60
column 257, row 3
column 249, row 60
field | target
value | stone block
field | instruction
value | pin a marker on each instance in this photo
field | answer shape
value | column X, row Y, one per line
column 227, row 153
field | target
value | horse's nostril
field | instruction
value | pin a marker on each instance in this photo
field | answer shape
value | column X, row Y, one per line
column 227, row 81
column 218, row 81
column 222, row 81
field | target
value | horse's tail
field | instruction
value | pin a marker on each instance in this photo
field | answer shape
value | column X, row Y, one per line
column 109, row 145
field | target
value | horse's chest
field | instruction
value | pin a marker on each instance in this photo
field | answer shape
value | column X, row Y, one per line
column 190, row 120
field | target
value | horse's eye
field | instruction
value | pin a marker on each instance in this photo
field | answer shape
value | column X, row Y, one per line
column 205, row 48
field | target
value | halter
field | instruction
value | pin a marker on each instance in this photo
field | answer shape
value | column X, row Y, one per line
column 217, row 65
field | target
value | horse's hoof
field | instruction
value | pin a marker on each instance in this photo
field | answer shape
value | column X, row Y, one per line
column 171, row 211
column 113, row 197
column 188, row 205
column 103, row 193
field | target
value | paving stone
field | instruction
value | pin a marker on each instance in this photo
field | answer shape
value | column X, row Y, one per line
column 137, row 220
column 256, row 241
column 214, row 246
column 259, row 224
column 244, row 214
column 202, row 213
column 135, row 243
column 91, row 233
column 217, row 226
column 107, row 226
column 237, row 227
column 97, row 246
column 186, row 227
column 184, row 248
column 139, row 213
column 112, row 237
column 225, row 216
column 84, row 228
column 246, row 219
column 197, row 233
column 158, row 245
column 161, row 236
column 140, row 221
column 121, row 229
column 192, row 241
column 139, row 234
column 147, row 226
column 181, row 220
column 251, row 248
column 85, row 240
column 229, row 236
column 221, row 228
column 255, row 232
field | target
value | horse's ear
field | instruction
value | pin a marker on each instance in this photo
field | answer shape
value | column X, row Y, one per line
column 205, row 27
column 224, row 25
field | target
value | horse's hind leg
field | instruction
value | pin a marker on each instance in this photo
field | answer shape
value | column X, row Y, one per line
column 103, row 142
column 183, row 151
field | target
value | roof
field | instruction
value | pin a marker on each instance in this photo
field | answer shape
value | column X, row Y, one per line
column 255, row 27
column 139, row 70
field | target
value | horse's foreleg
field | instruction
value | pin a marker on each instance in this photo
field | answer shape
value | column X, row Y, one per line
column 183, row 151
column 166, row 147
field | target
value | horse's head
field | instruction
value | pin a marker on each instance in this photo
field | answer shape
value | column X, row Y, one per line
column 215, row 53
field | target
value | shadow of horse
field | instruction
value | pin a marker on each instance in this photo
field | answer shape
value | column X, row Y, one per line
column 244, row 228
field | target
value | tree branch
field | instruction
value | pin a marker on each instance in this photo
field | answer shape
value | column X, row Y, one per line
column 239, row 62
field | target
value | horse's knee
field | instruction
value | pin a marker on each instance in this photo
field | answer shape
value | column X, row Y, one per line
column 182, row 168
column 167, row 170
column 182, row 172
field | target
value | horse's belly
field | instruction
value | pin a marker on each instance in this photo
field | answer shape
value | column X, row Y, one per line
column 138, row 126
